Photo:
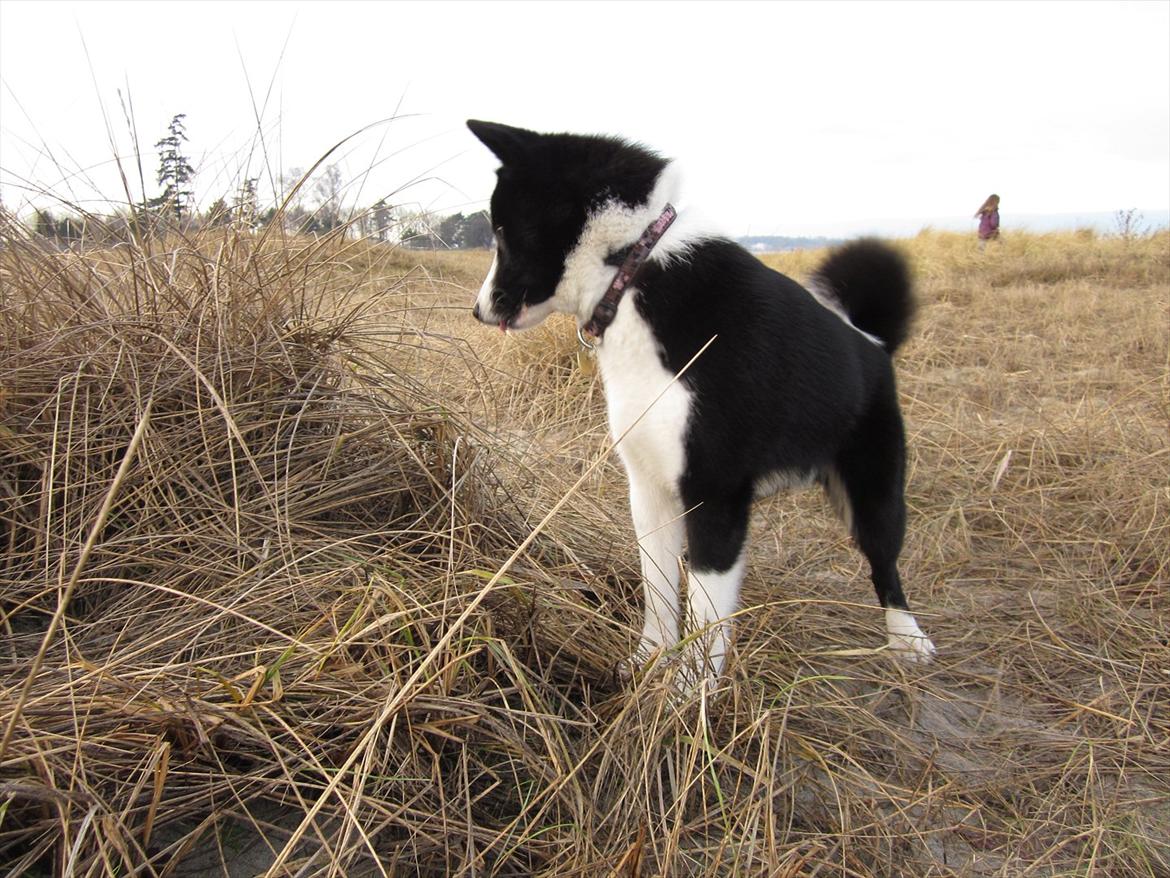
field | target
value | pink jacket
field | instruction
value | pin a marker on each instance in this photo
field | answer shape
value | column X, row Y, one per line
column 988, row 224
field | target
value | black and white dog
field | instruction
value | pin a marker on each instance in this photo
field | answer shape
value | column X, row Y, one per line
column 796, row 387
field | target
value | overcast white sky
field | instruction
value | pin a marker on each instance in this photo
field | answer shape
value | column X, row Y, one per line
column 790, row 118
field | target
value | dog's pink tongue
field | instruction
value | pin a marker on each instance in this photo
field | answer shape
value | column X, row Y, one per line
column 503, row 326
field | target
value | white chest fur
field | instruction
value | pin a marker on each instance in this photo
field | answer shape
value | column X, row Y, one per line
column 649, row 410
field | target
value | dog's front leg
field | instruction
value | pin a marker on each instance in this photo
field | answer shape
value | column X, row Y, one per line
column 713, row 597
column 716, row 536
column 658, row 523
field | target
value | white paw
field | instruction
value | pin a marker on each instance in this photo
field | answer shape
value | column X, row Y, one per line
column 629, row 668
column 685, row 667
column 645, row 655
column 911, row 648
column 906, row 639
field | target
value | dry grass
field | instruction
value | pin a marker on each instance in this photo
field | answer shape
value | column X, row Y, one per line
column 315, row 621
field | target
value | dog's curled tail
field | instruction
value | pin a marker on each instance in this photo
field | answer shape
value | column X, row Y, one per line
column 871, row 281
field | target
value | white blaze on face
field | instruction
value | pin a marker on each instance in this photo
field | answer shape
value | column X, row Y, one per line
column 484, row 300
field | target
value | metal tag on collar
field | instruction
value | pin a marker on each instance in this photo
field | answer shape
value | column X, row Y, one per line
column 585, row 343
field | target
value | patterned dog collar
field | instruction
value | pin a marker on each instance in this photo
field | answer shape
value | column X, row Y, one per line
column 606, row 309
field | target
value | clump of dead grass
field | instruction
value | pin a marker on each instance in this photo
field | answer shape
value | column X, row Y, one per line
column 287, row 549
column 325, row 626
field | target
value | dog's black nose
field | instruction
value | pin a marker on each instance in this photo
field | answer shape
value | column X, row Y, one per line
column 475, row 311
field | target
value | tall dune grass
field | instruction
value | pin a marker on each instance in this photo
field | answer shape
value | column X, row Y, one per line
column 293, row 643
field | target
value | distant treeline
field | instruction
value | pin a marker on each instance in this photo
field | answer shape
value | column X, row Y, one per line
column 409, row 228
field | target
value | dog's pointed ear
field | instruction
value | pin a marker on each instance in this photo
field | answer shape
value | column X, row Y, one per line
column 508, row 143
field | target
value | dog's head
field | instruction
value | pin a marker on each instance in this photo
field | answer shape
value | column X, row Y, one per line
column 549, row 188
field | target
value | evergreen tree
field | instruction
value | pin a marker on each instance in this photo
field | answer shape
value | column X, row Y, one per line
column 247, row 204
column 382, row 219
column 219, row 214
column 449, row 230
column 63, row 230
column 475, row 231
column 44, row 224
column 174, row 170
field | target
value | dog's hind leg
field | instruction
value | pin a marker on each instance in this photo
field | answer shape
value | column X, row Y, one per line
column 716, row 542
column 658, row 523
column 866, row 488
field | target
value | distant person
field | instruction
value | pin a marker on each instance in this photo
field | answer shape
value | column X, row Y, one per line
column 988, row 216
